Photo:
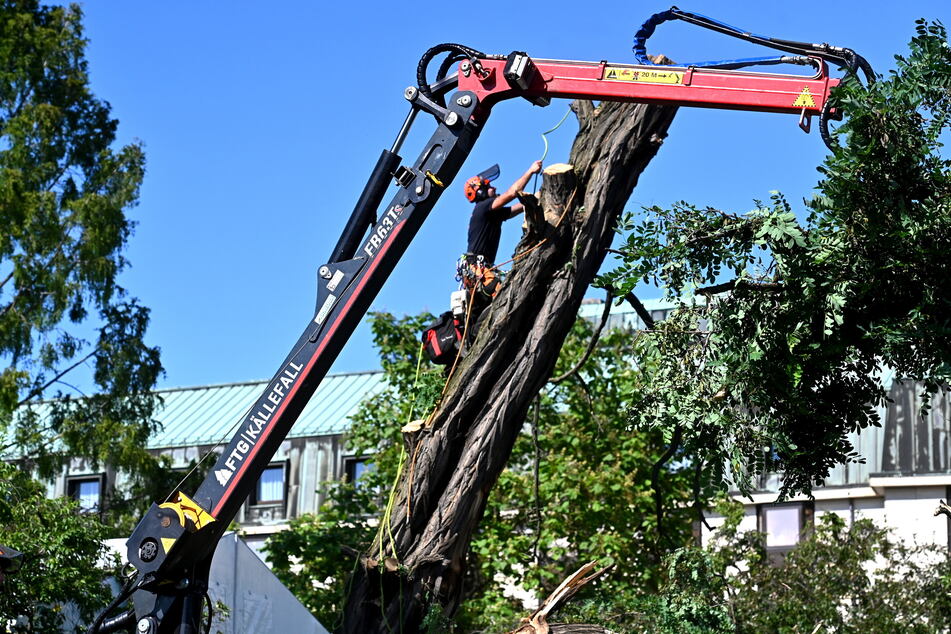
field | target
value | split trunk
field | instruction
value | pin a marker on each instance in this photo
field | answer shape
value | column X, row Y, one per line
column 456, row 459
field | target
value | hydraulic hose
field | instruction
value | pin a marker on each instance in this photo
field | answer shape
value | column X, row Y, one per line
column 844, row 57
column 123, row 622
column 458, row 52
column 99, row 624
column 853, row 61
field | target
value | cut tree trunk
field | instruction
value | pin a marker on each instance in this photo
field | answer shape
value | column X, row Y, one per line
column 456, row 459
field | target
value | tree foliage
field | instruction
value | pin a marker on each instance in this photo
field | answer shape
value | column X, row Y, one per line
column 843, row 578
column 775, row 361
column 314, row 558
column 60, row 586
column 64, row 193
column 66, row 324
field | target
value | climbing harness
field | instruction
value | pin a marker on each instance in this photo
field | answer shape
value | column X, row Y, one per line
column 475, row 275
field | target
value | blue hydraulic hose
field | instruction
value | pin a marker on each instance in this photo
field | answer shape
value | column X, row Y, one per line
column 647, row 29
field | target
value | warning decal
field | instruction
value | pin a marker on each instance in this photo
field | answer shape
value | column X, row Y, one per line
column 616, row 73
column 805, row 100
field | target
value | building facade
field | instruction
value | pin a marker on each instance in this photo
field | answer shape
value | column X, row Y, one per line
column 905, row 472
column 195, row 421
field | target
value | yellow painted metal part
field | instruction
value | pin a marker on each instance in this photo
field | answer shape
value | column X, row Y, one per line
column 167, row 543
column 185, row 507
column 434, row 179
column 175, row 507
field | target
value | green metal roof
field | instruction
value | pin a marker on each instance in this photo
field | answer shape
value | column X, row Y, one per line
column 206, row 414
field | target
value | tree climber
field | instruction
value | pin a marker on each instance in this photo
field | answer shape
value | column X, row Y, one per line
column 485, row 230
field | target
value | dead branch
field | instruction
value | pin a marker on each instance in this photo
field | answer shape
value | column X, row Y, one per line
column 537, row 623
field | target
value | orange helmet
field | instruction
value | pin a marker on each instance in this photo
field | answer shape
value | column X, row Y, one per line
column 476, row 188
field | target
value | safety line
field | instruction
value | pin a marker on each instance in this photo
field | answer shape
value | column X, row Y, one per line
column 545, row 134
column 545, row 139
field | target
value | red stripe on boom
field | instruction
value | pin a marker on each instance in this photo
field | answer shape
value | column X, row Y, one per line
column 310, row 364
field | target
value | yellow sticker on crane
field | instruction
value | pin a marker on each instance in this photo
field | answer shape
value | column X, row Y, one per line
column 805, row 100
column 620, row 73
column 167, row 543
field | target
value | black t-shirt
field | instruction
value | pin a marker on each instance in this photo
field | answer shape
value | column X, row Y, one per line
column 485, row 229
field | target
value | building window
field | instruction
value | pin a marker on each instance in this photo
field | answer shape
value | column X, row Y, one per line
column 784, row 525
column 87, row 491
column 355, row 468
column 270, row 488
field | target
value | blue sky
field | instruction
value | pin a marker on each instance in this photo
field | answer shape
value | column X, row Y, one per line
column 261, row 123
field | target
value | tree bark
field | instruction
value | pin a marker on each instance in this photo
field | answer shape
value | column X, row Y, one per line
column 456, row 459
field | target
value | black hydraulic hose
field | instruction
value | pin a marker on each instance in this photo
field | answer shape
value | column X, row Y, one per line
column 842, row 56
column 444, row 67
column 459, row 50
column 824, row 134
column 124, row 621
column 787, row 46
column 447, row 64
column 854, row 62
column 126, row 592
column 211, row 613
column 865, row 67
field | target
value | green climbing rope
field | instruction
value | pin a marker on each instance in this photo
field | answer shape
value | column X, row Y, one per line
column 545, row 139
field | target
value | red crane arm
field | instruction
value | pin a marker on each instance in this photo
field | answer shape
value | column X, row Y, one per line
column 542, row 79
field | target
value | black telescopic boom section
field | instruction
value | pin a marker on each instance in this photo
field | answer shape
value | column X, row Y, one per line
column 364, row 213
column 344, row 292
column 165, row 548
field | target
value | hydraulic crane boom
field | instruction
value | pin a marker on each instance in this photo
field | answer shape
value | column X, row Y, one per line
column 544, row 79
column 172, row 546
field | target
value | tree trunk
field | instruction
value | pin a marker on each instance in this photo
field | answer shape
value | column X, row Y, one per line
column 456, row 459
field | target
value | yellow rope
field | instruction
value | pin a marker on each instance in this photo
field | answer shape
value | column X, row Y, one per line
column 388, row 511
